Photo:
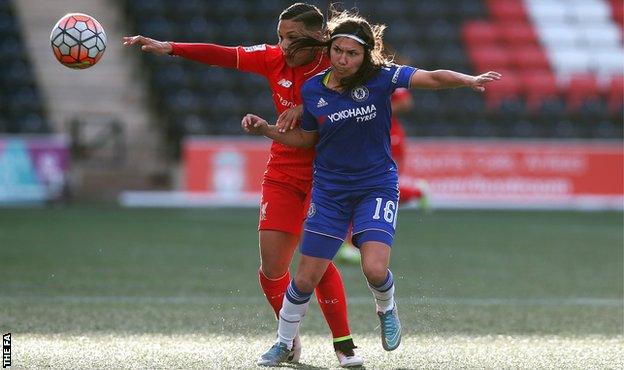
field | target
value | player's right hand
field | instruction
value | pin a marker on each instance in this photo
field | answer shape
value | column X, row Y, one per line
column 253, row 124
column 289, row 119
column 148, row 45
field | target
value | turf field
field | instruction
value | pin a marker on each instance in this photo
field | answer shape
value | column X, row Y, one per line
column 97, row 286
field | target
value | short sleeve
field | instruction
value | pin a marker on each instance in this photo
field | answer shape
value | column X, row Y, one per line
column 252, row 59
column 308, row 121
column 401, row 76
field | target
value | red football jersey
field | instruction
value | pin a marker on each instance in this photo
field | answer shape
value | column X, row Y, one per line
column 285, row 83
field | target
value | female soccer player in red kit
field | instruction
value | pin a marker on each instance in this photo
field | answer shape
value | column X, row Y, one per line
column 288, row 179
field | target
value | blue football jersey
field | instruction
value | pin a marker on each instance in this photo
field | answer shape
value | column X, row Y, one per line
column 354, row 130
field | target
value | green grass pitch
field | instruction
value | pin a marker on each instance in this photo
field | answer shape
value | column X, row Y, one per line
column 104, row 287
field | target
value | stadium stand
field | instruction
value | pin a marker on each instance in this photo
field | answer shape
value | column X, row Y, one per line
column 564, row 53
column 21, row 108
column 562, row 64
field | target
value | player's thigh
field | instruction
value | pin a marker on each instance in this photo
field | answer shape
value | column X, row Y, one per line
column 282, row 207
column 282, row 210
column 375, row 260
column 276, row 252
column 375, row 216
column 327, row 224
column 309, row 272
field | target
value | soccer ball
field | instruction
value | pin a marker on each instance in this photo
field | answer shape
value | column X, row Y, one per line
column 78, row 40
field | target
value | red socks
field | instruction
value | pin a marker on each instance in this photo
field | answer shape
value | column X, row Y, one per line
column 274, row 289
column 330, row 294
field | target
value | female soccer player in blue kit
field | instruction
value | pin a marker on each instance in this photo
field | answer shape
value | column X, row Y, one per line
column 347, row 116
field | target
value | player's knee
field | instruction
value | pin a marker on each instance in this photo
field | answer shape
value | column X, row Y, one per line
column 305, row 284
column 375, row 271
column 273, row 270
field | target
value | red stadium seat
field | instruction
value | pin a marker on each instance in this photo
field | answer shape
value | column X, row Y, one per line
column 538, row 86
column 615, row 93
column 510, row 86
column 480, row 33
column 529, row 57
column 518, row 33
column 581, row 88
column 490, row 58
column 617, row 9
column 507, row 10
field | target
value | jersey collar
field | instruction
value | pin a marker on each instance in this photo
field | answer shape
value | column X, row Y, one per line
column 312, row 67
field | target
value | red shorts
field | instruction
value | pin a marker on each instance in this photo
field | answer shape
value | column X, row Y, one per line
column 284, row 203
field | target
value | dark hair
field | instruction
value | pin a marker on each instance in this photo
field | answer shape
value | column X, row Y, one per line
column 349, row 22
column 308, row 14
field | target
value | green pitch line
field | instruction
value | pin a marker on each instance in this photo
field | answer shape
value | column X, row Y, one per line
column 357, row 300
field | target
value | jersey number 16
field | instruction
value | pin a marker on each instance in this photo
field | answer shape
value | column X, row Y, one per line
column 389, row 211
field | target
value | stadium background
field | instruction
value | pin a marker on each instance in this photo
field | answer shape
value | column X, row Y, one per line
column 481, row 287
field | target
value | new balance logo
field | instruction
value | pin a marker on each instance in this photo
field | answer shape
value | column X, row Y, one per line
column 284, row 82
column 321, row 103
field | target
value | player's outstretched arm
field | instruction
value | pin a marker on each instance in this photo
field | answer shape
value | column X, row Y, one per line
column 445, row 79
column 213, row 54
column 255, row 125
column 148, row 45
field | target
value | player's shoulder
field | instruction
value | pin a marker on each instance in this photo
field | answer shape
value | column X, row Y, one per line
column 273, row 50
column 313, row 83
column 260, row 48
column 274, row 56
column 271, row 55
column 390, row 69
column 394, row 72
column 385, row 73
column 269, row 51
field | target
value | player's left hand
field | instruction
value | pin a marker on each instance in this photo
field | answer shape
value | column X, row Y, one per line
column 254, row 125
column 479, row 82
column 289, row 119
column 149, row 45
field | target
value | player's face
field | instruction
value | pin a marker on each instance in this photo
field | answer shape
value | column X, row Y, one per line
column 287, row 32
column 346, row 56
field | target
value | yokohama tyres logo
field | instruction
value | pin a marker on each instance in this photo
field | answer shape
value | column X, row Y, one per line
column 361, row 114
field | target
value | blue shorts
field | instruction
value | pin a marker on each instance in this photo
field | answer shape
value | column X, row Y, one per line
column 373, row 213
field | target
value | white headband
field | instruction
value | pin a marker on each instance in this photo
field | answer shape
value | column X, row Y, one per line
column 352, row 37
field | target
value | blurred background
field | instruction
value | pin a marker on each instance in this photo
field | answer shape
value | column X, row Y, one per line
column 550, row 132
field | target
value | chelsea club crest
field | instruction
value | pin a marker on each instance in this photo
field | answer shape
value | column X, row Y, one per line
column 311, row 210
column 359, row 94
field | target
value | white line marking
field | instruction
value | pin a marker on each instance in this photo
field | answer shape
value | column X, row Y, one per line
column 361, row 300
